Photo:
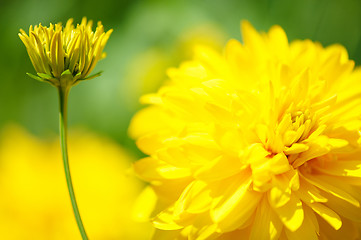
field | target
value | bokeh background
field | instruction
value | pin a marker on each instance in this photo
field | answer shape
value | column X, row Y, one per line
column 149, row 36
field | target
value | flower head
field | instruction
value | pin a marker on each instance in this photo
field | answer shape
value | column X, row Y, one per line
column 65, row 56
column 262, row 142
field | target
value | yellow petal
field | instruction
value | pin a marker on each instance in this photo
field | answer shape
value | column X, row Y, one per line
column 341, row 168
column 236, row 203
column 307, row 230
column 229, row 140
column 317, row 147
column 266, row 224
column 164, row 221
column 188, row 72
column 278, row 41
column 220, row 114
column 309, row 193
column 212, row 59
column 279, row 163
column 151, row 169
column 175, row 156
column 207, row 232
column 296, row 148
column 294, row 179
column 344, row 208
column 150, row 143
column 291, row 214
column 202, row 228
column 201, row 139
column 289, row 137
column 240, row 63
column 152, row 119
column 327, row 185
column 261, row 131
column 280, row 193
column 219, row 91
column 252, row 39
column 144, row 205
column 219, row 168
column 348, row 230
column 327, row 214
column 194, row 199
column 243, row 211
column 162, row 234
column 178, row 101
column 161, row 188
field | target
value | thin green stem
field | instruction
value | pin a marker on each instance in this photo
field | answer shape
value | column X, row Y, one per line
column 63, row 101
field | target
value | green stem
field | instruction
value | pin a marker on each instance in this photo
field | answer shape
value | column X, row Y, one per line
column 63, row 100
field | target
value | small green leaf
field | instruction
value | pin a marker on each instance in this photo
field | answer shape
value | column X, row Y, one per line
column 36, row 77
column 66, row 72
column 93, row 76
column 46, row 76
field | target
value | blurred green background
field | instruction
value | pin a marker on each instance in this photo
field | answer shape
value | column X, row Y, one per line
column 148, row 37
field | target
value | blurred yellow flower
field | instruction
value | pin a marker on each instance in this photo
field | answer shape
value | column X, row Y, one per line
column 262, row 142
column 65, row 55
column 34, row 203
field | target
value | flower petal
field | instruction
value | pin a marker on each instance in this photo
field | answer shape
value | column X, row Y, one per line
column 235, row 204
column 164, row 221
column 348, row 230
column 144, row 205
column 309, row 193
column 219, row 168
column 266, row 224
column 344, row 208
column 280, row 193
column 341, row 168
column 327, row 214
column 153, row 169
column 291, row 214
column 194, row 199
column 307, row 230
column 327, row 185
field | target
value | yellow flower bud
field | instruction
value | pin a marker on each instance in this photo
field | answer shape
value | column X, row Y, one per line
column 65, row 56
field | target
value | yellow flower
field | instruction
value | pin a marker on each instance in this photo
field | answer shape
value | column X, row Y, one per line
column 34, row 203
column 261, row 142
column 65, row 56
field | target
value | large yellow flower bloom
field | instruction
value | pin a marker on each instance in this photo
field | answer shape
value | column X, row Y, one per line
column 34, row 203
column 261, row 142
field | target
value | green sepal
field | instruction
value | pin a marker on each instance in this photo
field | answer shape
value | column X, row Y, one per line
column 36, row 77
column 77, row 76
column 92, row 76
column 66, row 72
column 66, row 79
column 45, row 76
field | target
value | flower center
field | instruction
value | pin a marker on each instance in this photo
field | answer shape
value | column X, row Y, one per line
column 301, row 123
column 284, row 146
